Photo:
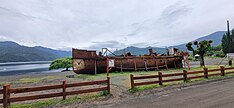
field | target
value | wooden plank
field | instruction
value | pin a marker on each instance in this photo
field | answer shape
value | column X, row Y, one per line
column 151, row 67
column 95, row 66
column 194, row 77
column 135, row 68
column 146, row 83
column 166, row 63
column 173, row 74
column 162, row 66
column 146, row 68
column 1, row 91
column 64, row 90
column 121, row 66
column 229, row 72
column 108, row 85
column 196, row 72
column 131, row 81
column 214, row 70
column 16, row 99
column 174, row 64
column 222, row 70
column 205, row 72
column 87, row 91
column 217, row 74
column 31, row 89
column 160, row 78
column 185, row 75
column 156, row 64
column 229, row 68
column 145, row 77
column 86, row 83
column 138, row 68
column 128, row 68
column 6, row 95
column 171, row 80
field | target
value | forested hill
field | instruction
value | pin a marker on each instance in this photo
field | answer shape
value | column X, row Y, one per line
column 216, row 37
column 13, row 52
column 139, row 51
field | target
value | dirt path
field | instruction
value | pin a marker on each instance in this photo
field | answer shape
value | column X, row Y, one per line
column 218, row 94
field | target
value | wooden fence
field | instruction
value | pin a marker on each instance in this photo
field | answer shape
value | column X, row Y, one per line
column 185, row 75
column 7, row 91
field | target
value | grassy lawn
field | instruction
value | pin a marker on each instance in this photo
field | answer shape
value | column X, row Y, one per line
column 53, row 102
column 30, row 80
column 142, row 88
column 122, row 78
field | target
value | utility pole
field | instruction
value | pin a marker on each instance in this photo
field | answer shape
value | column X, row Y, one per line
column 228, row 31
column 228, row 34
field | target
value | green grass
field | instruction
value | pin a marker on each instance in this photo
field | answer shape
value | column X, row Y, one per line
column 35, row 80
column 53, row 102
column 142, row 88
column 30, row 80
column 112, row 74
column 124, row 76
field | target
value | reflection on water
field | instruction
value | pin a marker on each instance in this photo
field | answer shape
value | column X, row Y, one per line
column 17, row 68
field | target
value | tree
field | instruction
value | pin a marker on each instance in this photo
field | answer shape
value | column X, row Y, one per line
column 61, row 63
column 217, row 51
column 202, row 48
column 228, row 42
column 216, row 48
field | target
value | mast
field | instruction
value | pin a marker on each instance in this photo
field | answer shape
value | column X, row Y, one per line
column 230, row 41
column 228, row 31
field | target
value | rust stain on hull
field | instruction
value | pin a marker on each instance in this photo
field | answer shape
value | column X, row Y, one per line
column 89, row 62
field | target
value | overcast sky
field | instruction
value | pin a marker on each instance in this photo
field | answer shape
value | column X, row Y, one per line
column 92, row 24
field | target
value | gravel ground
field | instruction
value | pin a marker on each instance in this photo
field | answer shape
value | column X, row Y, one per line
column 218, row 94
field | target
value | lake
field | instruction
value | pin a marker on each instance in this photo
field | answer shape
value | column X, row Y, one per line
column 18, row 68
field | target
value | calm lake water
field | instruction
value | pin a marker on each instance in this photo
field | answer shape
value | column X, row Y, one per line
column 18, row 68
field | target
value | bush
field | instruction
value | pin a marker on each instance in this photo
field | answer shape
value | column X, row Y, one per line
column 61, row 63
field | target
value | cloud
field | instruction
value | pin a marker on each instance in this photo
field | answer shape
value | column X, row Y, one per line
column 173, row 14
column 145, row 44
column 94, row 24
column 111, row 45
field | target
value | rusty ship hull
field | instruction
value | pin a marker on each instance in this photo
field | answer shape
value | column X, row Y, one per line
column 88, row 62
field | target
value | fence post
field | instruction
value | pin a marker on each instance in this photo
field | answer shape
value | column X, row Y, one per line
column 132, row 81
column 222, row 70
column 160, row 78
column 185, row 75
column 64, row 90
column 108, row 84
column 6, row 95
column 205, row 72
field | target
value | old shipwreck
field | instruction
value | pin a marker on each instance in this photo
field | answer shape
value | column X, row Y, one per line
column 89, row 62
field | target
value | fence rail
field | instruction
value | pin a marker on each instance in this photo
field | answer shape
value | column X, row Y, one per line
column 185, row 75
column 7, row 91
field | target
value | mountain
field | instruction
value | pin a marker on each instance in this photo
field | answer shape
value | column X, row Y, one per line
column 58, row 53
column 216, row 37
column 13, row 52
column 139, row 51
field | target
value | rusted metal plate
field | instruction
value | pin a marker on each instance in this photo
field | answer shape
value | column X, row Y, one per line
column 85, row 61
